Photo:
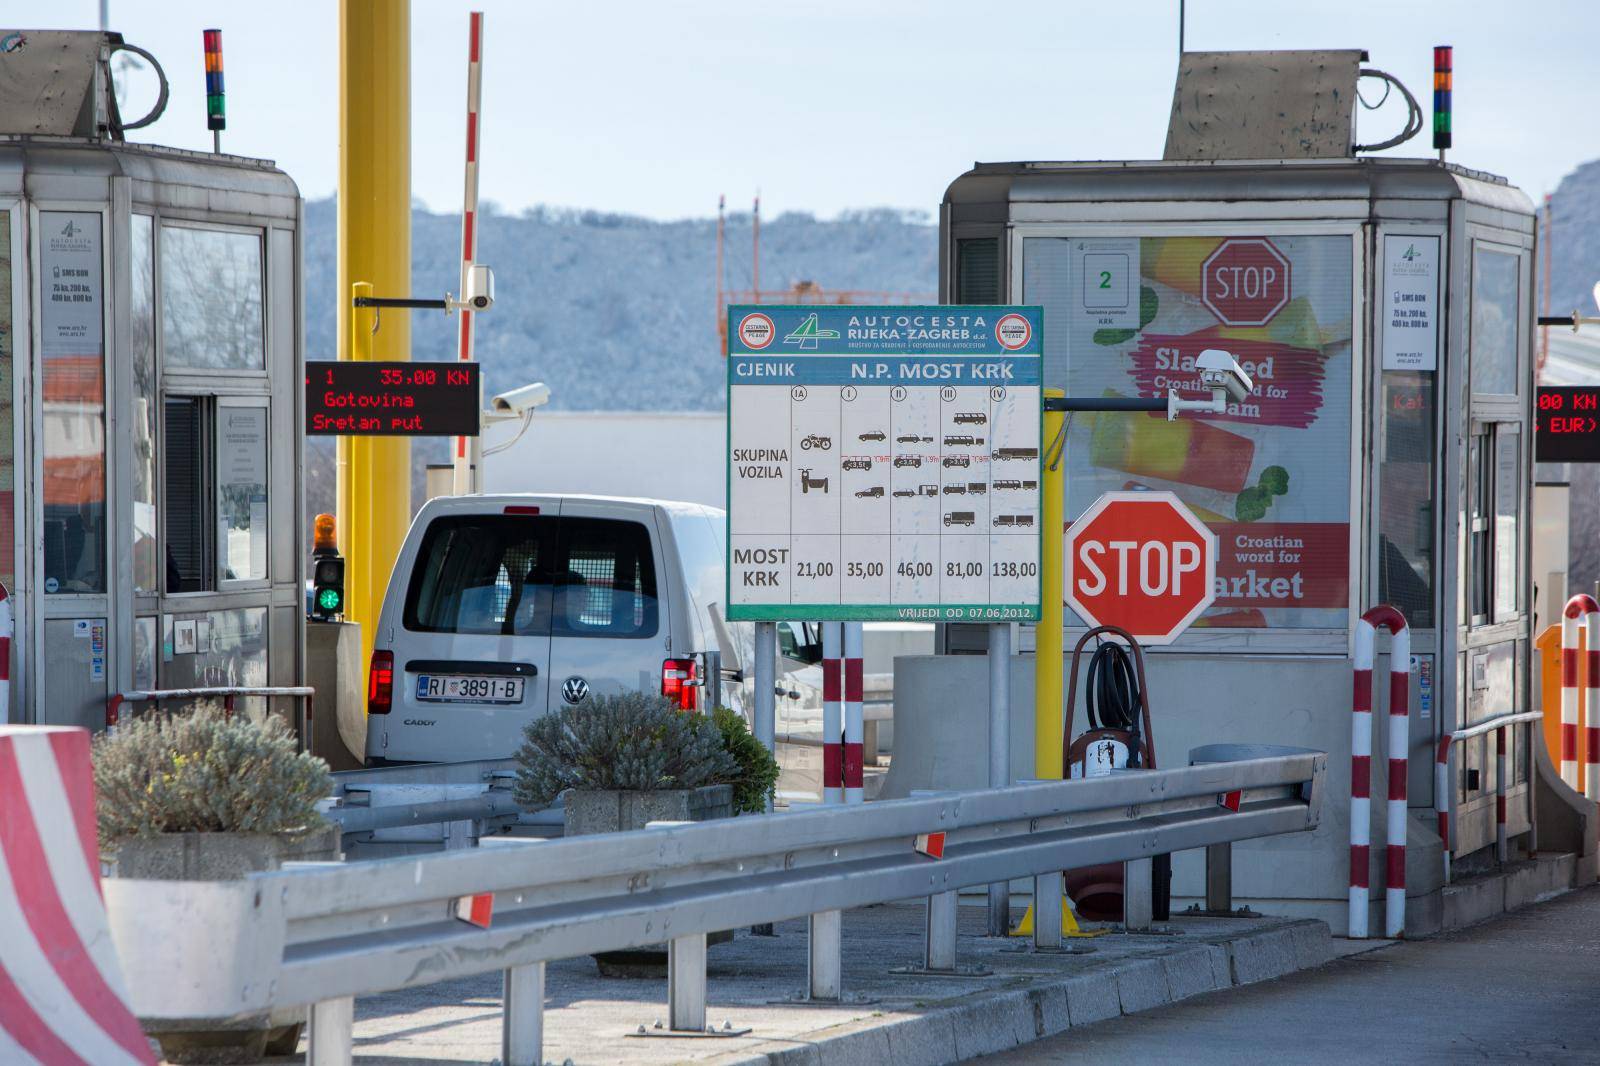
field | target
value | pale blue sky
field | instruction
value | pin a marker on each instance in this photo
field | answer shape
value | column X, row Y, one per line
column 654, row 108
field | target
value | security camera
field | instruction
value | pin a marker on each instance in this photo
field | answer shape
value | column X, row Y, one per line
column 521, row 401
column 1219, row 370
column 480, row 288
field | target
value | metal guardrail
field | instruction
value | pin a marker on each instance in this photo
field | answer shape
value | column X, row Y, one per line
column 1498, row 722
column 323, row 934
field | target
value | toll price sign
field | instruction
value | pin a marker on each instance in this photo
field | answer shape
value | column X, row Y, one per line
column 884, row 463
column 392, row 399
column 1566, row 426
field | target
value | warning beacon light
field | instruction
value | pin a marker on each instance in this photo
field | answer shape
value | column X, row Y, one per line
column 1443, row 75
column 216, row 106
column 327, row 570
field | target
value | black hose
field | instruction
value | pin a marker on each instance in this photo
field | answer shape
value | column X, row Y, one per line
column 1112, row 697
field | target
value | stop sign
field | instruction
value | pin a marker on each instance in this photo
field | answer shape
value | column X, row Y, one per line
column 1142, row 561
column 1245, row 281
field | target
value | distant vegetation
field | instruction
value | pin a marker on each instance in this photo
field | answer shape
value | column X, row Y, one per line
column 613, row 312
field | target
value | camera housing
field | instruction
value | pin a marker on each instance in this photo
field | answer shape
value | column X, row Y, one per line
column 520, row 401
column 480, row 288
column 1220, row 370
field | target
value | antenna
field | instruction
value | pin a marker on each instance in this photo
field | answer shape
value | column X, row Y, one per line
column 462, row 462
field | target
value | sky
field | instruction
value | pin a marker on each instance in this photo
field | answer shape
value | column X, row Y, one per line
column 654, row 108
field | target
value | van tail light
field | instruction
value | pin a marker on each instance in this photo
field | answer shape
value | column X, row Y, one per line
column 680, row 683
column 380, row 683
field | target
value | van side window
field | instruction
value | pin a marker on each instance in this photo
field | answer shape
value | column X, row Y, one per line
column 604, row 581
column 482, row 574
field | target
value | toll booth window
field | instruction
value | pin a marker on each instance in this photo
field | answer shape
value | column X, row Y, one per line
column 1494, row 457
column 146, row 558
column 978, row 270
column 185, row 450
column 1271, row 476
column 1507, row 503
column 72, row 387
column 1405, row 496
column 211, row 299
column 1494, row 322
column 241, row 491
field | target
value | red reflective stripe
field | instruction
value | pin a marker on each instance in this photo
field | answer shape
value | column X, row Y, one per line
column 20, row 1023
column 1395, row 871
column 832, row 766
column 1569, row 667
column 1569, row 742
column 1399, row 692
column 1591, row 753
column 1362, row 697
column 44, row 914
column 1500, row 810
column 852, row 680
column 472, row 137
column 1361, row 777
column 1593, row 664
column 853, row 771
column 1444, row 828
column 1397, row 779
column 830, row 680
column 474, row 31
column 468, row 228
column 1360, row 864
column 72, row 749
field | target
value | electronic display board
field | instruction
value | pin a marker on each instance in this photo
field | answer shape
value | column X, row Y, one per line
column 392, row 399
column 1566, row 424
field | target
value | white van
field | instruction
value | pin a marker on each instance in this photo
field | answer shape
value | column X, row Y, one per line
column 503, row 607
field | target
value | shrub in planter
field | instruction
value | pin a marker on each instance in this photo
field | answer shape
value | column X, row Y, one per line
column 633, row 742
column 756, row 775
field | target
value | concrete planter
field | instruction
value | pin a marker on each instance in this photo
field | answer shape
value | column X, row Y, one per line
column 220, row 857
column 614, row 811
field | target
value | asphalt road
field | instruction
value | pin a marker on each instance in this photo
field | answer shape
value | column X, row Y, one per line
column 1521, row 988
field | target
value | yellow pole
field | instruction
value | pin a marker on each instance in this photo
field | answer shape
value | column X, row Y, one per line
column 374, row 250
column 1049, row 654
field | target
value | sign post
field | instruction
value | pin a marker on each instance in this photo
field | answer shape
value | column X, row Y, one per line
column 1141, row 561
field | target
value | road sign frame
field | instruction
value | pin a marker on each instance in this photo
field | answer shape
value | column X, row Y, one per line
column 1204, row 532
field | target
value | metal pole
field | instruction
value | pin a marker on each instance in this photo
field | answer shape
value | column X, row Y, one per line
column 330, row 1032
column 766, row 705
column 686, row 984
column 1000, row 755
column 1219, row 878
column 1180, row 29
column 1138, row 903
column 1048, row 650
column 939, row 941
column 1047, row 902
column 825, row 955
column 522, row 1016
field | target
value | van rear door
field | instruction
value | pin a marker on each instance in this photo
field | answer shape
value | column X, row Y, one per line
column 472, row 666
column 609, row 617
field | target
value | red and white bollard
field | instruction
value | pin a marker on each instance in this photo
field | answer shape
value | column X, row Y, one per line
column 1441, row 798
column 1361, row 771
column 7, row 630
column 832, row 683
column 853, row 726
column 1580, row 606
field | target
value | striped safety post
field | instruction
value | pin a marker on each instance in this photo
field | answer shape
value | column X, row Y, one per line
column 1441, row 798
column 853, row 726
column 1361, row 771
column 832, row 710
column 1580, row 606
column 7, row 630
column 1500, row 794
column 461, row 476
column 62, row 995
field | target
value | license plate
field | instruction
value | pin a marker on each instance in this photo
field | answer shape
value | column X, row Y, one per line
column 454, row 688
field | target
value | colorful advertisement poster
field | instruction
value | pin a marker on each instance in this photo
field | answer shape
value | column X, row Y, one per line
column 1270, row 475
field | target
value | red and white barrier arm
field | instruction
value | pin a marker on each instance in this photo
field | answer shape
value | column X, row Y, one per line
column 461, row 475
column 1361, row 771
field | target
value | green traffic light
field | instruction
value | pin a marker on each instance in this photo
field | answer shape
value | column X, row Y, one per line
column 328, row 599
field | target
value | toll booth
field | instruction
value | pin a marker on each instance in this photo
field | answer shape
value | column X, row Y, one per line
column 151, row 533
column 1383, row 308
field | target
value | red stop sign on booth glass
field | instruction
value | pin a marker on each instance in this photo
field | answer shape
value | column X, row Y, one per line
column 1245, row 281
column 1141, row 561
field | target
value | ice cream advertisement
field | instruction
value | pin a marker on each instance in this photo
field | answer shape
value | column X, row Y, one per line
column 1271, row 475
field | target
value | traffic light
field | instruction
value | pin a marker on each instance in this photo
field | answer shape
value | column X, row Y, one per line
column 327, row 571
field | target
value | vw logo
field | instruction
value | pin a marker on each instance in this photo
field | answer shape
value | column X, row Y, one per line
column 574, row 690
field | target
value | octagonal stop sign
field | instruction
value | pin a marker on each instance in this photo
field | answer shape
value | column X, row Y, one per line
column 1245, row 281
column 1141, row 561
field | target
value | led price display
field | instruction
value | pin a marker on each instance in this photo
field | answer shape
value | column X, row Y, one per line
column 1566, row 424
column 392, row 399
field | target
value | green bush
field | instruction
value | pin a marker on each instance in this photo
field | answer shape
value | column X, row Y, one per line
column 635, row 742
column 201, row 772
column 757, row 773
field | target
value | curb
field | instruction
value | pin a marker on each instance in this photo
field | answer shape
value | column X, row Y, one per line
column 991, row 1022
